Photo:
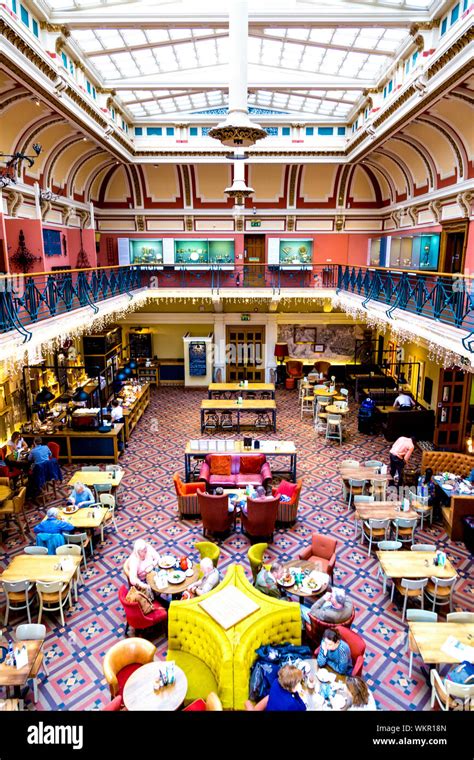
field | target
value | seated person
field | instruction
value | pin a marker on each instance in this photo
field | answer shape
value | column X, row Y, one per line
column 284, row 691
column 40, row 452
column 462, row 673
column 258, row 494
column 15, row 447
column 335, row 653
column 52, row 523
column 81, row 496
column 359, row 694
column 404, row 400
column 426, row 486
column 266, row 580
column 141, row 561
column 116, row 413
column 333, row 607
column 209, row 580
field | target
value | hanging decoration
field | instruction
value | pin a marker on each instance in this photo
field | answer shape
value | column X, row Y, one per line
column 82, row 262
column 23, row 259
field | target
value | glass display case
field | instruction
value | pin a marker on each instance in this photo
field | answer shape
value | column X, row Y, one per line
column 146, row 252
column 296, row 254
column 415, row 252
column 205, row 253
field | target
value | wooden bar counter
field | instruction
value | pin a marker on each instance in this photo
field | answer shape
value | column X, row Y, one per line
column 84, row 445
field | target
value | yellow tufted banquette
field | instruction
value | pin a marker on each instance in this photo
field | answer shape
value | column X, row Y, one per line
column 205, row 651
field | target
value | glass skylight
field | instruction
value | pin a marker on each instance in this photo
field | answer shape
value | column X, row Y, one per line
column 194, row 58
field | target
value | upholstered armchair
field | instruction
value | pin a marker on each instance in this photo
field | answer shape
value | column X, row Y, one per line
column 136, row 618
column 215, row 514
column 288, row 510
column 294, row 369
column 315, row 628
column 357, row 646
column 322, row 552
column 187, row 496
column 122, row 659
column 259, row 522
column 323, row 367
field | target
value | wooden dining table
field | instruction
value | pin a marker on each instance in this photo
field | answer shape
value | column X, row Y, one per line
column 383, row 510
column 413, row 565
column 248, row 405
column 361, row 473
column 97, row 478
column 430, row 638
column 174, row 588
column 296, row 590
column 82, row 519
column 39, row 567
column 11, row 676
column 215, row 390
column 139, row 692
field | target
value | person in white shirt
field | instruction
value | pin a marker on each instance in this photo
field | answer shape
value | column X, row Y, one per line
column 117, row 411
column 404, row 400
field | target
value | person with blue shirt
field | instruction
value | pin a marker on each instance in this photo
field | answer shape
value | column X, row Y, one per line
column 52, row 523
column 81, row 496
column 284, row 694
column 335, row 653
column 40, row 452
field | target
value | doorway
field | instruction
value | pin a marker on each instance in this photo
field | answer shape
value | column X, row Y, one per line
column 453, row 247
column 452, row 410
column 254, row 260
column 245, row 361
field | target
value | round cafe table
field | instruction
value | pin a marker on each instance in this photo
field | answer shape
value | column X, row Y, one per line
column 313, row 698
column 139, row 692
column 324, row 392
column 333, row 409
column 296, row 590
column 173, row 588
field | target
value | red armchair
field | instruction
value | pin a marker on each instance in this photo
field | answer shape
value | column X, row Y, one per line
column 315, row 628
column 322, row 552
column 114, row 705
column 356, row 645
column 8, row 469
column 288, row 510
column 187, row 496
column 244, row 469
column 259, row 522
column 135, row 616
column 215, row 514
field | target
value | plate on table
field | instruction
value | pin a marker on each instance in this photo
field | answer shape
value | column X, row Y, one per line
column 287, row 581
column 448, row 486
column 338, row 702
column 310, row 586
column 167, row 561
column 325, row 676
column 177, row 576
column 70, row 510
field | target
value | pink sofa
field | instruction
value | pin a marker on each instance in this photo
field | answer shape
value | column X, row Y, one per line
column 245, row 469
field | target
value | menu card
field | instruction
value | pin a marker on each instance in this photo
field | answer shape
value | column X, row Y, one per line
column 221, row 446
column 21, row 656
column 212, row 445
column 230, row 445
column 457, row 650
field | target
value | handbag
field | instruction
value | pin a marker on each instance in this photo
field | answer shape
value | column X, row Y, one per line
column 138, row 596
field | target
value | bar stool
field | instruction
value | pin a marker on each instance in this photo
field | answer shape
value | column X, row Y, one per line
column 334, row 428
column 307, row 403
column 342, row 395
column 211, row 422
column 226, row 422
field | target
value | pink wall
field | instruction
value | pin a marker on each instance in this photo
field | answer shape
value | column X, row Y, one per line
column 469, row 260
column 33, row 231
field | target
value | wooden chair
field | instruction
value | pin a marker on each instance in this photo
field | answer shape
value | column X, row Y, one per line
column 107, row 500
column 53, row 597
column 450, row 695
column 439, row 591
column 13, row 508
column 35, row 550
column 409, row 588
column 405, row 529
column 417, row 616
column 83, row 540
column 374, row 530
column 74, row 551
column 17, row 597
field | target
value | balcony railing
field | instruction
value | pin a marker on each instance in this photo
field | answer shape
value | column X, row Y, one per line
column 441, row 297
column 27, row 299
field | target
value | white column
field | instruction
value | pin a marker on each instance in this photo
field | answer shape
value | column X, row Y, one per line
column 270, row 340
column 219, row 345
column 37, row 200
column 238, row 35
column 92, row 219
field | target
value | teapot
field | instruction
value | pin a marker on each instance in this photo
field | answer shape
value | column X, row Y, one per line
column 183, row 563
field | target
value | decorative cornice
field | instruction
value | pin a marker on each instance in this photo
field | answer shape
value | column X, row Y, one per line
column 464, row 201
column 451, row 53
column 292, row 185
column 23, row 47
column 140, row 223
column 14, row 200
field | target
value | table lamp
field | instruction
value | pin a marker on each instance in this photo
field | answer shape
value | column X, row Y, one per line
column 281, row 352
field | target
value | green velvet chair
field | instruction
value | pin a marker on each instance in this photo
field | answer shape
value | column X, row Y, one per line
column 255, row 555
column 208, row 549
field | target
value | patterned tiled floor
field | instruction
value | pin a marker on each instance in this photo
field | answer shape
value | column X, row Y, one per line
column 148, row 510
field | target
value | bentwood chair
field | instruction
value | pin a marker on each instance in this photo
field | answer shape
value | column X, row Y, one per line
column 374, row 530
column 83, row 540
column 405, row 529
column 409, row 588
column 417, row 616
column 387, row 546
column 460, row 617
column 450, row 695
column 74, row 551
column 53, row 597
column 17, row 597
column 34, row 632
column 356, row 488
column 439, row 591
column 363, row 499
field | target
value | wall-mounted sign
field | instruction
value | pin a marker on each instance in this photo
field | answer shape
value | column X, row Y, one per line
column 197, row 359
column 245, row 317
column 255, row 223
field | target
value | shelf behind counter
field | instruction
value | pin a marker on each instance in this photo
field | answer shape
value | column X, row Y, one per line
column 134, row 412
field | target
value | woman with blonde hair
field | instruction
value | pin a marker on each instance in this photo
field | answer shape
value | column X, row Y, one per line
column 284, row 691
column 141, row 561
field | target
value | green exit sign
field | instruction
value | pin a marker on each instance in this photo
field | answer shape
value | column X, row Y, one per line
column 255, row 223
column 245, row 317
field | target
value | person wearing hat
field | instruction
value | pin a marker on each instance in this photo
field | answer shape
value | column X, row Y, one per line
column 52, row 523
column 333, row 607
